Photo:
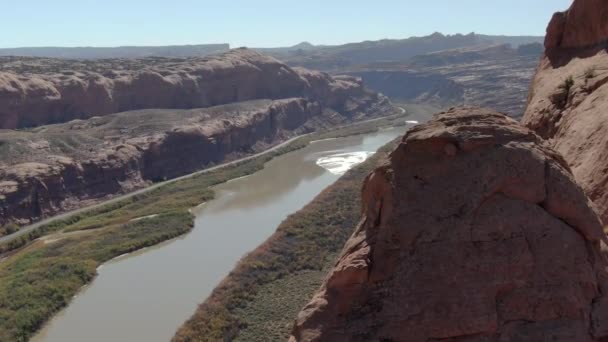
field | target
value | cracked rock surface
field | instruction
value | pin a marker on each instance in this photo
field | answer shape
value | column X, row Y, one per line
column 474, row 231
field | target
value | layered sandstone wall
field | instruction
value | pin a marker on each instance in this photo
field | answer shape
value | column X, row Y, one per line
column 36, row 92
column 245, row 102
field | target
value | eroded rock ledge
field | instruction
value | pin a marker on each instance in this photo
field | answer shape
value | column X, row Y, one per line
column 474, row 231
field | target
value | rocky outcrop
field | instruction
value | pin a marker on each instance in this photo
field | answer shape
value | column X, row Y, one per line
column 582, row 26
column 568, row 99
column 66, row 166
column 35, row 92
column 474, row 231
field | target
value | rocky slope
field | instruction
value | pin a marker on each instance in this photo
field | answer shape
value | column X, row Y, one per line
column 474, row 231
column 37, row 91
column 568, row 100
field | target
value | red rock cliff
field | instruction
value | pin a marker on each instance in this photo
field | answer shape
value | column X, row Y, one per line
column 474, row 231
column 54, row 168
column 568, row 101
column 583, row 25
column 41, row 91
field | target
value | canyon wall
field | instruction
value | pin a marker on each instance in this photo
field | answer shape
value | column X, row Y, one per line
column 35, row 92
column 475, row 230
column 119, row 153
column 250, row 102
column 568, row 100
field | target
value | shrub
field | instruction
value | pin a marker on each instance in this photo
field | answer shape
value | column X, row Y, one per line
column 9, row 229
column 567, row 84
column 590, row 73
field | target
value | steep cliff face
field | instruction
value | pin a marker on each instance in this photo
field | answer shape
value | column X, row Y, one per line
column 474, row 231
column 35, row 92
column 60, row 167
column 568, row 100
column 582, row 26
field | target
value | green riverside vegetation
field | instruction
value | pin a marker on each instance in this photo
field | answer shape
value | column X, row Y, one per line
column 42, row 270
column 260, row 298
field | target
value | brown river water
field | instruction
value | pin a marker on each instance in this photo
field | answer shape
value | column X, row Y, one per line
column 147, row 295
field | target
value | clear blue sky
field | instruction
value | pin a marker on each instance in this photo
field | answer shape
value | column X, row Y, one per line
column 260, row 23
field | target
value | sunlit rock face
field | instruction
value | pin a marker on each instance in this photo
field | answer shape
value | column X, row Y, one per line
column 568, row 102
column 473, row 231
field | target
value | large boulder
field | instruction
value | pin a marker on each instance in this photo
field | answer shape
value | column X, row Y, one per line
column 474, row 231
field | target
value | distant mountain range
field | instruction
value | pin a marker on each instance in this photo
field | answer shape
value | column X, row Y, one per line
column 322, row 57
column 330, row 58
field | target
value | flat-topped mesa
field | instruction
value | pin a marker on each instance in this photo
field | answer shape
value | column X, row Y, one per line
column 568, row 101
column 475, row 230
column 37, row 91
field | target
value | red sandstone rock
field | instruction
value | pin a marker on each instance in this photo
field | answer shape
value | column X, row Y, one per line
column 574, row 115
column 474, row 231
column 583, row 25
column 60, row 91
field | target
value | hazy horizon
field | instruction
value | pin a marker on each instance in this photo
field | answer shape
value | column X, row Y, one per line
column 232, row 46
column 265, row 24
